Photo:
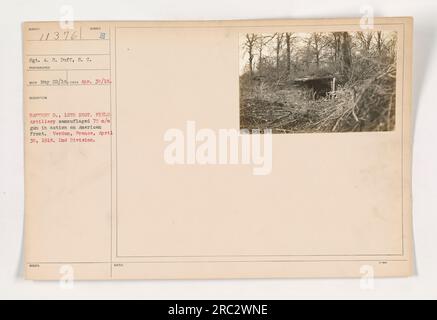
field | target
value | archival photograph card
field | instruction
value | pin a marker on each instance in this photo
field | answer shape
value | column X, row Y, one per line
column 218, row 149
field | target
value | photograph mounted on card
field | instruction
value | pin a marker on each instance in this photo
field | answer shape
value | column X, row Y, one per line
column 218, row 149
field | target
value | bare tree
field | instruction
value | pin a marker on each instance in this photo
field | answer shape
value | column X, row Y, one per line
column 317, row 42
column 346, row 53
column 261, row 43
column 250, row 45
column 260, row 52
column 336, row 45
column 365, row 40
column 279, row 38
column 379, row 42
column 288, row 41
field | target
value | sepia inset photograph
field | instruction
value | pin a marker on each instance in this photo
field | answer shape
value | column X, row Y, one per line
column 318, row 82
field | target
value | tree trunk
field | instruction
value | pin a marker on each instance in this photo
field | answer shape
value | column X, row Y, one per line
column 288, row 43
column 379, row 42
column 251, row 62
column 278, row 49
column 346, row 54
column 250, row 42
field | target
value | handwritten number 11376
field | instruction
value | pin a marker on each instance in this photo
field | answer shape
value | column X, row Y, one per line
column 63, row 35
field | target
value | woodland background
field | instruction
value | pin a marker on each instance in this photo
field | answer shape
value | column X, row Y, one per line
column 275, row 70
